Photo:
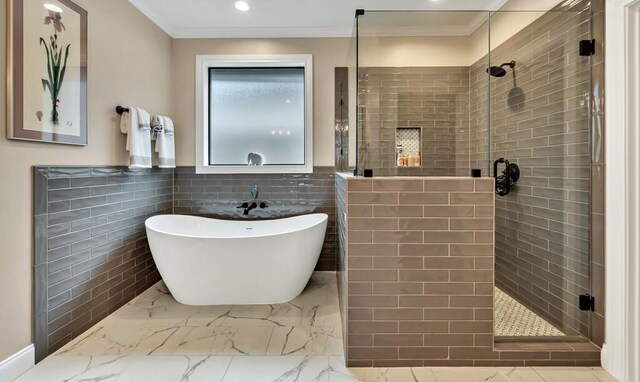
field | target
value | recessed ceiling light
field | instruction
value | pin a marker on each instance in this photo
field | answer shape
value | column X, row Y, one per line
column 53, row 8
column 242, row 5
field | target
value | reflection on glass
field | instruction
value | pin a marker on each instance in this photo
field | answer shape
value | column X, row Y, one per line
column 256, row 110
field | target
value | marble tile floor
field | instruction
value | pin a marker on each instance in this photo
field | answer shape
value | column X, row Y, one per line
column 154, row 338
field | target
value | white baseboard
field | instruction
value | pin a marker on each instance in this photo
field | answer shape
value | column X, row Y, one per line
column 17, row 364
column 604, row 357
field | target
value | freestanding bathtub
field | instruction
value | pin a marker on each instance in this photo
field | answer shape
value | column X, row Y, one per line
column 219, row 262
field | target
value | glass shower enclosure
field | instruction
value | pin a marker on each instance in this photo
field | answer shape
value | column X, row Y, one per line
column 434, row 93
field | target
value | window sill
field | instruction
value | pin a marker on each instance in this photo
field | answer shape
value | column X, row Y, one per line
column 300, row 169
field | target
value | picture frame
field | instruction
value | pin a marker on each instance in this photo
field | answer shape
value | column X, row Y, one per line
column 47, row 71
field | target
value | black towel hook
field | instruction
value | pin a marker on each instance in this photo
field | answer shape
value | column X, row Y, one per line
column 121, row 109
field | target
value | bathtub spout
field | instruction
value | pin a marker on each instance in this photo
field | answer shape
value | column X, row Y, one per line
column 250, row 207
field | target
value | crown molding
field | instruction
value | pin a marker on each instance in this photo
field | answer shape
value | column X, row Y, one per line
column 165, row 24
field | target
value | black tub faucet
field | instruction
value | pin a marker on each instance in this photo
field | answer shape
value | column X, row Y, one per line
column 253, row 203
column 250, row 207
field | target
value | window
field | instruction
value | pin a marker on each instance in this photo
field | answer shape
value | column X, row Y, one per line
column 254, row 114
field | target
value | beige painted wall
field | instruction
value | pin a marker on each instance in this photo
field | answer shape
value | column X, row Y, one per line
column 327, row 54
column 504, row 25
column 415, row 51
column 129, row 63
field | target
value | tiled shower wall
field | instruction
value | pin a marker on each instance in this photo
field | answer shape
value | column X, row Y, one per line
column 435, row 99
column 419, row 271
column 417, row 254
column 91, row 251
column 540, row 121
column 217, row 195
column 341, row 232
column 479, row 116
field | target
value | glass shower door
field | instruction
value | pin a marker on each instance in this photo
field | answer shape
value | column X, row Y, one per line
column 539, row 148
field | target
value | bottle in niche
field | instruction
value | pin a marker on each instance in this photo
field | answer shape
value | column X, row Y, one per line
column 399, row 150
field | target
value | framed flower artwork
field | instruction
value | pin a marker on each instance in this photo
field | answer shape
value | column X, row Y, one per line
column 47, row 71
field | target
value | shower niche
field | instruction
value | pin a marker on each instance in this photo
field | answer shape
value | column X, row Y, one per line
column 408, row 147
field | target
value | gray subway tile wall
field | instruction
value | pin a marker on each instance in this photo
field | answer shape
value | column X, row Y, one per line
column 218, row 195
column 424, row 296
column 434, row 99
column 91, row 252
column 542, row 124
column 342, row 240
column 479, row 117
column 419, row 286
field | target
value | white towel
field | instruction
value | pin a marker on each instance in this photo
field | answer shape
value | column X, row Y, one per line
column 165, row 146
column 137, row 125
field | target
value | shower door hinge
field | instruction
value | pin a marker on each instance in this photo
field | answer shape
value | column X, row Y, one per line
column 587, row 48
column 586, row 302
column 359, row 12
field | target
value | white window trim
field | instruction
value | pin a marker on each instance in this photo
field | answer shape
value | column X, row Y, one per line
column 203, row 63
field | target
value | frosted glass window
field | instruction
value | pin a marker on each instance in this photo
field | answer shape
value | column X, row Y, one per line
column 256, row 110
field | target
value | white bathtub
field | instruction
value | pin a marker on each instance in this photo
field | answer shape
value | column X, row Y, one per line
column 219, row 262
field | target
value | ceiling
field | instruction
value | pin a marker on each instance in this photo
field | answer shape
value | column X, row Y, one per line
column 290, row 18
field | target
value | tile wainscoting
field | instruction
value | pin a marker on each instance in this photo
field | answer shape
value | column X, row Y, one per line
column 91, row 251
column 218, row 195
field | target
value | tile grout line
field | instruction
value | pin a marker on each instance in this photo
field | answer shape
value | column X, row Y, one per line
column 540, row 375
column 226, row 370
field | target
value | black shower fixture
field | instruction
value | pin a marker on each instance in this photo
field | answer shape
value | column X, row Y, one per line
column 498, row 71
column 505, row 181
